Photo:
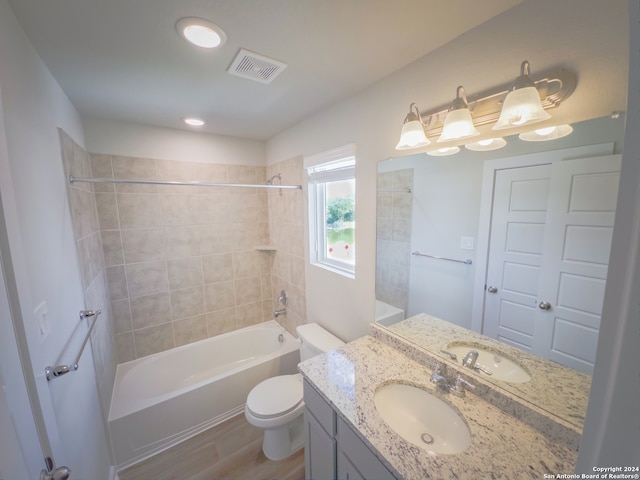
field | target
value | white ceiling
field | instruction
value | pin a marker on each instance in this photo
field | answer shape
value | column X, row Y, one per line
column 123, row 59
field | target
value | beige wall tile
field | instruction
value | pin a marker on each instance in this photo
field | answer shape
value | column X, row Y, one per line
column 248, row 290
column 150, row 310
column 217, row 268
column 125, row 347
column 143, row 244
column 249, row 314
column 181, row 242
column 179, row 209
column 107, row 208
column 190, row 330
column 247, row 263
column 219, row 296
column 187, row 302
column 112, row 247
column 210, row 173
column 147, row 278
column 153, row 339
column 221, row 321
column 139, row 210
column 185, row 272
column 117, row 281
column 132, row 168
column 101, row 168
column 121, row 310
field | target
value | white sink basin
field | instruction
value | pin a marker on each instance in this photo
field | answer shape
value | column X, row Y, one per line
column 500, row 367
column 422, row 418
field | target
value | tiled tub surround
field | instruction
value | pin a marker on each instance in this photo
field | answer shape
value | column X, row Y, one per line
column 393, row 233
column 554, row 391
column 501, row 445
column 181, row 261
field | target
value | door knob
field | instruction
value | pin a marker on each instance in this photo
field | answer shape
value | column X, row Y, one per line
column 492, row 289
column 544, row 306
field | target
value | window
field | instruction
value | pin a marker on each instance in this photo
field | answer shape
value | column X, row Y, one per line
column 332, row 203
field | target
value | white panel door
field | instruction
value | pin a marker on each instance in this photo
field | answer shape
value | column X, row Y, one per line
column 551, row 228
column 579, row 226
column 515, row 253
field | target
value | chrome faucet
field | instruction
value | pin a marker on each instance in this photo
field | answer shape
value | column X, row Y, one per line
column 283, row 298
column 282, row 311
column 470, row 359
column 438, row 378
column 461, row 386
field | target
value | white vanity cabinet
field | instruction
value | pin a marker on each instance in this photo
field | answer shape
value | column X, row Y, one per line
column 332, row 449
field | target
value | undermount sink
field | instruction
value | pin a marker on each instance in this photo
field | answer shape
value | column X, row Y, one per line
column 491, row 362
column 422, row 418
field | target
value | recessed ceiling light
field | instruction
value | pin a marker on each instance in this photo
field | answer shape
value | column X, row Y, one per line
column 193, row 121
column 201, row 32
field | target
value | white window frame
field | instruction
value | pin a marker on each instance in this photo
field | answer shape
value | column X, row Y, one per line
column 334, row 165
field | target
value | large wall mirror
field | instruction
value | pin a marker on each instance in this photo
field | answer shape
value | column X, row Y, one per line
column 443, row 250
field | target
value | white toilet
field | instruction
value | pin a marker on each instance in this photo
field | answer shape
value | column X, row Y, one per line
column 276, row 404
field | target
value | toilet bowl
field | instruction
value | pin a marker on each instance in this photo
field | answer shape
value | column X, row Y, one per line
column 276, row 404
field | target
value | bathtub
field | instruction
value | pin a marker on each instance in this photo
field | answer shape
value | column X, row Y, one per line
column 388, row 314
column 163, row 399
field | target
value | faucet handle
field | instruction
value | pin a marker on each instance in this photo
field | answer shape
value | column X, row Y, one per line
column 461, row 385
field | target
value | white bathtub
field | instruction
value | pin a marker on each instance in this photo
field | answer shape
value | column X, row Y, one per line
column 163, row 399
column 388, row 314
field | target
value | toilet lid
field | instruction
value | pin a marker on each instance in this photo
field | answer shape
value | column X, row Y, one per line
column 275, row 396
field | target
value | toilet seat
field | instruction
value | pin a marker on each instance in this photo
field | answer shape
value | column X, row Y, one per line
column 275, row 396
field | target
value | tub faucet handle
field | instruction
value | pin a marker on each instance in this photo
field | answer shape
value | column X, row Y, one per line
column 283, row 298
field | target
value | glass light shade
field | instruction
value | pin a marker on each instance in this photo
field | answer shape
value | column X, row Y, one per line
column 547, row 133
column 486, row 145
column 443, row 152
column 412, row 136
column 521, row 107
column 193, row 121
column 458, row 124
column 201, row 32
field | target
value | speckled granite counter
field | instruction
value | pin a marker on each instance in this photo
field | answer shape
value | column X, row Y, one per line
column 502, row 447
column 554, row 390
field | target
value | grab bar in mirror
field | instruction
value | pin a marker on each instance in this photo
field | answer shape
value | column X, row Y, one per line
column 59, row 370
column 418, row 253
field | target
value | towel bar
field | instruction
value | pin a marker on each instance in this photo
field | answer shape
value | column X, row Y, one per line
column 59, row 370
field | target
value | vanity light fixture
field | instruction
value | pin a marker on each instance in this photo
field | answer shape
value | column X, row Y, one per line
column 499, row 107
column 201, row 32
column 458, row 124
column 522, row 105
column 194, row 121
column 546, row 133
column 412, row 135
column 444, row 152
column 486, row 145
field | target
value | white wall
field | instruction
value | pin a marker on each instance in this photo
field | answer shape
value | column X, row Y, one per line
column 134, row 140
column 480, row 59
column 40, row 238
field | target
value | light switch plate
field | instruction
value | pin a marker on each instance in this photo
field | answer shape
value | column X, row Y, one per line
column 466, row 243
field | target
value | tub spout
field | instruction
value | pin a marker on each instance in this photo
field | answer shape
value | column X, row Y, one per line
column 282, row 311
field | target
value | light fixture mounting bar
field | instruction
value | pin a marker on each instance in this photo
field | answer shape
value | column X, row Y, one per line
column 554, row 86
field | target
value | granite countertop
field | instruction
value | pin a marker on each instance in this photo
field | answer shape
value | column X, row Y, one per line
column 501, row 445
column 559, row 391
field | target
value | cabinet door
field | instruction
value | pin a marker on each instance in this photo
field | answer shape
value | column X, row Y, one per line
column 356, row 459
column 319, row 450
column 346, row 469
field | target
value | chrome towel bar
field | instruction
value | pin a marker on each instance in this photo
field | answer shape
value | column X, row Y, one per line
column 59, row 370
column 418, row 253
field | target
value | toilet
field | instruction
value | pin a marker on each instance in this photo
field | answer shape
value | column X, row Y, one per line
column 276, row 405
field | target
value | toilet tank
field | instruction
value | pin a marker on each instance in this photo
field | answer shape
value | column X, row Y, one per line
column 316, row 340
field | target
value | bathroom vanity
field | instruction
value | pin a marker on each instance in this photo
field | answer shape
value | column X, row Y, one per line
column 350, row 433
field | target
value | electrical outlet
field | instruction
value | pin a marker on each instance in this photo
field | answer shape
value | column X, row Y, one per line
column 466, row 243
column 42, row 319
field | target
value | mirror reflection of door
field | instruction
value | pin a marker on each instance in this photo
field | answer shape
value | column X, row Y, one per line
column 549, row 247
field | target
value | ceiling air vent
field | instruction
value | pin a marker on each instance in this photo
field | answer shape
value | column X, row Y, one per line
column 256, row 67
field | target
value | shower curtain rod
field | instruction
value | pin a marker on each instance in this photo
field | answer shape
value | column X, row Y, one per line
column 73, row 179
